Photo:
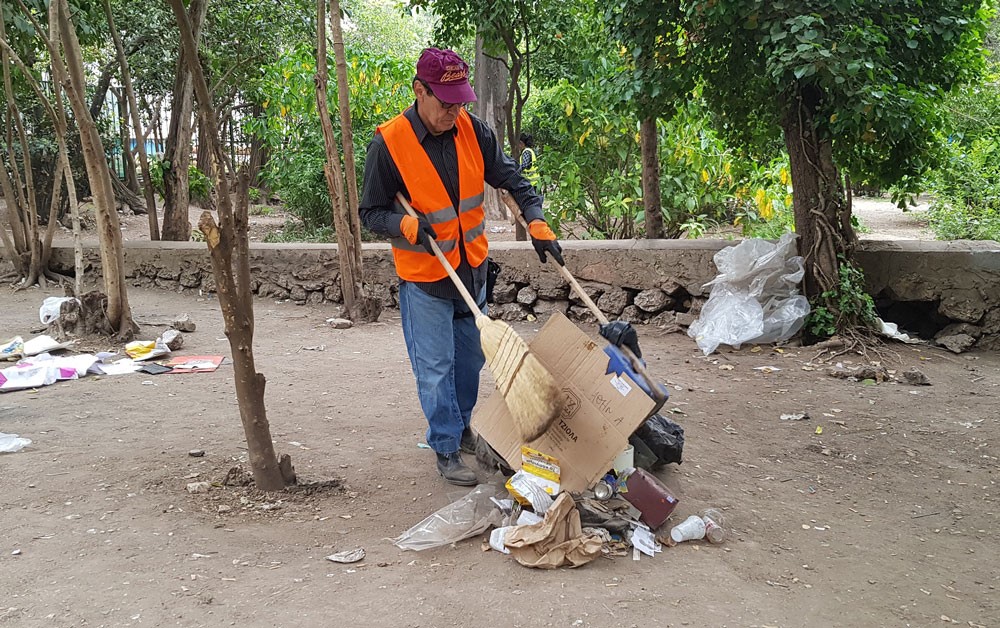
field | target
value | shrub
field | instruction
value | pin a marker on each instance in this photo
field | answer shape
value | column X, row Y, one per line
column 967, row 191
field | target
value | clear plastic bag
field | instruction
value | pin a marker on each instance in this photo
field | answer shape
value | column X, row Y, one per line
column 467, row 517
column 755, row 296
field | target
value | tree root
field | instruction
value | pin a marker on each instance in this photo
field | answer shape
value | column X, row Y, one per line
column 58, row 278
column 862, row 341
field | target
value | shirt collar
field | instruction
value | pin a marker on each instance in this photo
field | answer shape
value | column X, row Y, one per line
column 418, row 125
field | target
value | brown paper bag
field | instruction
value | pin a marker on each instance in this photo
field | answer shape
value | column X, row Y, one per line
column 556, row 541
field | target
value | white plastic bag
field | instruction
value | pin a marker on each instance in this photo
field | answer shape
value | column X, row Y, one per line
column 10, row 443
column 50, row 308
column 755, row 296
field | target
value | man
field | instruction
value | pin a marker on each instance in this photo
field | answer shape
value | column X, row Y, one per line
column 527, row 145
column 438, row 155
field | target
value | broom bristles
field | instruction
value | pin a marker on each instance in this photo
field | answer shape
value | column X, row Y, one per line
column 530, row 391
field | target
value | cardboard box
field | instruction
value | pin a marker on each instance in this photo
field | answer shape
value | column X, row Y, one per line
column 601, row 408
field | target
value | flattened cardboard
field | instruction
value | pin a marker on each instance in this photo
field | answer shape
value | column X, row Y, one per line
column 601, row 409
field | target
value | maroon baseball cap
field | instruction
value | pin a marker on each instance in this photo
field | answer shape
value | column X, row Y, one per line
column 447, row 75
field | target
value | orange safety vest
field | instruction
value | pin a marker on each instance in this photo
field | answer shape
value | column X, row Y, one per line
column 430, row 198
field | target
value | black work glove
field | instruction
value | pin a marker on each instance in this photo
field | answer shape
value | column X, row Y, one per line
column 621, row 333
column 418, row 231
column 544, row 241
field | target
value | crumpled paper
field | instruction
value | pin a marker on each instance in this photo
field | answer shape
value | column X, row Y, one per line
column 557, row 541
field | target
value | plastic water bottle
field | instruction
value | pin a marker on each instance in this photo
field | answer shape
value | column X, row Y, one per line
column 715, row 525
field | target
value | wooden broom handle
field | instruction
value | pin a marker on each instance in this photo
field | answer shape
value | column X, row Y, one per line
column 568, row 276
column 637, row 364
column 471, row 302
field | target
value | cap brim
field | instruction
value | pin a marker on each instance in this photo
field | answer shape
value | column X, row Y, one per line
column 455, row 92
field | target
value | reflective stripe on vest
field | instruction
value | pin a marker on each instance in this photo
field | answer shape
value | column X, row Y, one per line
column 430, row 198
column 531, row 172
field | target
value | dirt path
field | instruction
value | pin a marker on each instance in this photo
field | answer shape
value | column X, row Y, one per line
column 879, row 218
column 887, row 518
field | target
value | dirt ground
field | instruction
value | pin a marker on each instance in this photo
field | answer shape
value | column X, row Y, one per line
column 886, row 518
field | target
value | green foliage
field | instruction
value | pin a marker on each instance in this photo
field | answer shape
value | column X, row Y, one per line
column 966, row 185
column 877, row 70
column 845, row 307
column 588, row 161
column 379, row 88
column 199, row 185
column 297, row 231
column 762, row 201
column 967, row 193
column 261, row 210
column 589, row 164
column 385, row 28
column 652, row 32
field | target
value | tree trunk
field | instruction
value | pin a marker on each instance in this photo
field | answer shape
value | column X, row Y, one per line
column 176, row 195
column 140, row 137
column 57, row 115
column 112, row 253
column 128, row 162
column 822, row 216
column 356, row 305
column 365, row 308
column 101, row 91
column 232, row 277
column 651, row 179
column 512, row 113
column 491, row 94
column 258, row 153
column 22, row 210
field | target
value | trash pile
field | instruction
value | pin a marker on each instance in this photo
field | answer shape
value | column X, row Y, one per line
column 530, row 518
column 585, row 488
column 36, row 365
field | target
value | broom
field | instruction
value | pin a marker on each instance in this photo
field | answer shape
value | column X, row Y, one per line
column 655, row 388
column 530, row 391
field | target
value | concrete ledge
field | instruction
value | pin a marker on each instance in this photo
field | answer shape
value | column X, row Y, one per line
column 930, row 287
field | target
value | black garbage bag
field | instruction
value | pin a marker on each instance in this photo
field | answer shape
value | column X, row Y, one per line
column 660, row 437
column 492, row 272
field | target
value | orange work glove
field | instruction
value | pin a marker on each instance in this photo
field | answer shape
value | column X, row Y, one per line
column 418, row 231
column 544, row 241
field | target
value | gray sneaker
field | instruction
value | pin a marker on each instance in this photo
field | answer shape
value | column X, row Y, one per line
column 454, row 471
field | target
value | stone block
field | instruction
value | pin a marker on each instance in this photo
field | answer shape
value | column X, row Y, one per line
column 633, row 314
column 613, row 302
column 527, row 295
column 544, row 308
column 957, row 343
column 191, row 279
column 652, row 301
column 510, row 312
column 333, row 293
column 504, row 292
column 581, row 314
column 270, row 290
column 966, row 306
column 959, row 328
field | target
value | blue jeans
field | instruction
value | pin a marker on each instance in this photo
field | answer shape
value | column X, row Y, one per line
column 446, row 358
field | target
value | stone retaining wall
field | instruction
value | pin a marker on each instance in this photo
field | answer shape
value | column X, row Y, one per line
column 945, row 289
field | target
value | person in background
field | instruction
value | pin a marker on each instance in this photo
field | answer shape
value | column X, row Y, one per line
column 438, row 156
column 528, row 168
